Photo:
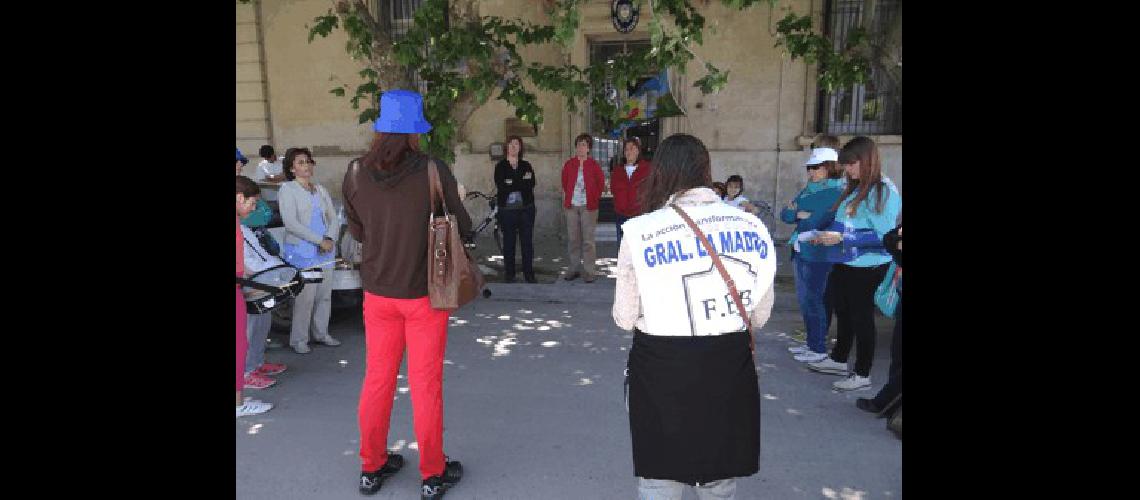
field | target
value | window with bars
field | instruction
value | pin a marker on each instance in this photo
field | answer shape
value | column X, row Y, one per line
column 400, row 14
column 874, row 107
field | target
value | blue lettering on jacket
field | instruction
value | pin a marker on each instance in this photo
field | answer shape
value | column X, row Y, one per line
column 701, row 247
column 730, row 241
column 725, row 242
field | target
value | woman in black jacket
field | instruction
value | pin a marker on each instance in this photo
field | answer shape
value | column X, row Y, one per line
column 888, row 394
column 514, row 180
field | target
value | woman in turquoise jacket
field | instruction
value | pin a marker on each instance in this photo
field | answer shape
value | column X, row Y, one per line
column 811, row 208
column 870, row 207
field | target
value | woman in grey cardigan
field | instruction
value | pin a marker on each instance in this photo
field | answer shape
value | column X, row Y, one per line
column 310, row 229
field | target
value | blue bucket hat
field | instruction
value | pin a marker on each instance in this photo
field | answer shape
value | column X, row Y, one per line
column 402, row 112
column 241, row 157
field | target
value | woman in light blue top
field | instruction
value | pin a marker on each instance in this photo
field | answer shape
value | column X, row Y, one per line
column 310, row 229
column 870, row 207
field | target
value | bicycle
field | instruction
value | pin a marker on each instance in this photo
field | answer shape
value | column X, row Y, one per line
column 489, row 220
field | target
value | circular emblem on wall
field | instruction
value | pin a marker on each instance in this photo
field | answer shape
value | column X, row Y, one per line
column 624, row 14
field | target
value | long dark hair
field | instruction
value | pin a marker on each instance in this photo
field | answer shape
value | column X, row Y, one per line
column 388, row 150
column 862, row 148
column 290, row 156
column 681, row 163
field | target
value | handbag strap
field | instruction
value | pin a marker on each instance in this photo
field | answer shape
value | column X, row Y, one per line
column 723, row 272
column 435, row 188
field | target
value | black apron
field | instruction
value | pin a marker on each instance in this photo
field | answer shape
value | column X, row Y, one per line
column 694, row 407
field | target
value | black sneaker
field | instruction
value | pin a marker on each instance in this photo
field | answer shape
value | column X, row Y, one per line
column 370, row 482
column 434, row 487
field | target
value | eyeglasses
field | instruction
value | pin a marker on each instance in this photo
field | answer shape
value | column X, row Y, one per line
column 304, row 162
column 813, row 167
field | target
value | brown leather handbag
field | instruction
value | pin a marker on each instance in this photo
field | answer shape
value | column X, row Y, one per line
column 454, row 278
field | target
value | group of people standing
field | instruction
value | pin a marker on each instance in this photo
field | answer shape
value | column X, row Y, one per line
column 693, row 285
column 583, row 184
column 843, row 218
column 311, row 226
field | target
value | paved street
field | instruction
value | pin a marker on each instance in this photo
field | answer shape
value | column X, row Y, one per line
column 533, row 409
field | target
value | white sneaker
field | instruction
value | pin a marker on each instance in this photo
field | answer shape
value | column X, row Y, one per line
column 329, row 341
column 799, row 349
column 829, row 366
column 810, row 357
column 253, row 407
column 301, row 348
column 852, row 383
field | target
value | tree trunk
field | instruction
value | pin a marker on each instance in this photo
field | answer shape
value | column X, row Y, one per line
column 462, row 12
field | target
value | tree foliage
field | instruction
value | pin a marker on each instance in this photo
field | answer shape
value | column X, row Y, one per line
column 466, row 59
column 858, row 54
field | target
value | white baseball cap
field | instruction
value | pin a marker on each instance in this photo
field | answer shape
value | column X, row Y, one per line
column 820, row 155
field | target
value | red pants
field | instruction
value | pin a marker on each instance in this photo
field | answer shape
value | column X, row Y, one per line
column 242, row 342
column 389, row 326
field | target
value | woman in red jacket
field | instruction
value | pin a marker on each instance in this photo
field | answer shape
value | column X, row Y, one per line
column 582, row 186
column 624, row 180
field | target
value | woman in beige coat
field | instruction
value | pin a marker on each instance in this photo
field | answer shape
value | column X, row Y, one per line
column 310, row 230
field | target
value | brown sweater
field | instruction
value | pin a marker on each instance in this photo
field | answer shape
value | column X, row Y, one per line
column 387, row 212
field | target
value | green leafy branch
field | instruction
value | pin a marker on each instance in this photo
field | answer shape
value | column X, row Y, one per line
column 465, row 59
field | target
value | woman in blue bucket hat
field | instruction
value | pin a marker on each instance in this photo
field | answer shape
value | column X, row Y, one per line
column 387, row 207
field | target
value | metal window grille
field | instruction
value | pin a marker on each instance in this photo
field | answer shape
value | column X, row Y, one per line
column 871, row 108
column 400, row 14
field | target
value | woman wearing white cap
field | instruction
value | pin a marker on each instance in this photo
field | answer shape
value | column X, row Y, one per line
column 808, row 211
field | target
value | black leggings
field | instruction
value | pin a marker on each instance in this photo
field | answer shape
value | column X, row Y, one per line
column 894, row 378
column 853, row 290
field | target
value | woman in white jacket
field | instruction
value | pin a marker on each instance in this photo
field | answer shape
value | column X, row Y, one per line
column 694, row 408
column 310, row 230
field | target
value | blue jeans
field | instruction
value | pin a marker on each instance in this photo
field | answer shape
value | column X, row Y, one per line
column 664, row 489
column 256, row 331
column 619, row 219
column 811, row 290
